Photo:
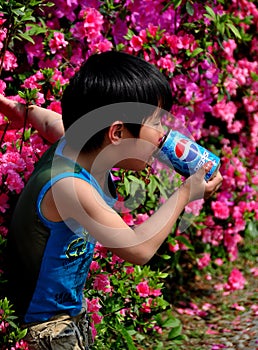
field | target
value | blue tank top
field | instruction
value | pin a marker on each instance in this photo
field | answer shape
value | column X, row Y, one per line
column 63, row 250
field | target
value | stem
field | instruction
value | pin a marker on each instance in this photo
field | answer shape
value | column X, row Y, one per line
column 24, row 125
column 4, row 133
column 175, row 20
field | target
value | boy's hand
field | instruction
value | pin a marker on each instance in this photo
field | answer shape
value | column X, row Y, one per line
column 196, row 187
column 13, row 110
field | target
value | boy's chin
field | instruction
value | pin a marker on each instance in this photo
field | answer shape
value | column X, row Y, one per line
column 132, row 164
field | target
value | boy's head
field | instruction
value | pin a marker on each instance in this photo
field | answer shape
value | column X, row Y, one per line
column 112, row 78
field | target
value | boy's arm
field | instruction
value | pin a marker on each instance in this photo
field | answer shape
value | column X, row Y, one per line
column 77, row 199
column 48, row 123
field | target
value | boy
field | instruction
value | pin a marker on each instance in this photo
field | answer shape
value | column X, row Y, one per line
column 111, row 114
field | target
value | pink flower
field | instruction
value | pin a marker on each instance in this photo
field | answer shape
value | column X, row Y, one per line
column 94, row 266
column 218, row 262
column 166, row 63
column 208, row 277
column 254, row 271
column 2, row 36
column 229, row 47
column 93, row 305
column 195, row 207
column 3, row 232
column 238, row 307
column 129, row 270
column 14, row 181
column 10, row 61
column 92, row 23
column 203, row 261
column 220, row 209
column 155, row 292
column 218, row 346
column 158, row 329
column 254, row 308
column 116, row 259
column 4, row 326
column 146, row 307
column 4, row 202
column 35, row 50
column 93, row 330
column 141, row 218
column 96, row 318
column 173, row 247
column 226, row 111
column 58, row 42
column 211, row 331
column 231, row 85
column 143, row 289
column 231, row 240
column 102, row 283
column 119, row 30
column 101, row 251
column 55, row 106
column 100, row 45
column 236, row 280
column 128, row 219
column 136, row 43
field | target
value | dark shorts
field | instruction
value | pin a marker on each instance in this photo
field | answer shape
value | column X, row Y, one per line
column 60, row 333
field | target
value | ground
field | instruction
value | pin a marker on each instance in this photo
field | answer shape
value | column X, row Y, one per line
column 231, row 321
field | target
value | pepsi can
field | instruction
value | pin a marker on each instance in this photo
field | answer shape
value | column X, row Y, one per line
column 185, row 155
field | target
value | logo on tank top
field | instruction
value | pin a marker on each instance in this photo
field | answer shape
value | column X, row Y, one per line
column 76, row 248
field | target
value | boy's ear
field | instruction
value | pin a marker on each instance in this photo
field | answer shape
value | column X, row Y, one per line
column 115, row 132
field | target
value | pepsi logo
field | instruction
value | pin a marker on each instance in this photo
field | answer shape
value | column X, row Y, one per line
column 186, row 150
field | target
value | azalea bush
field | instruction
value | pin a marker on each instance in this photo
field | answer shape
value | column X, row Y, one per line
column 208, row 51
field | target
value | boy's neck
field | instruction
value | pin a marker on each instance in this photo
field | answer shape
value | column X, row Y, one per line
column 87, row 160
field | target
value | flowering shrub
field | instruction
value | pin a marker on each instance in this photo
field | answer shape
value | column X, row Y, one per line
column 125, row 303
column 208, row 51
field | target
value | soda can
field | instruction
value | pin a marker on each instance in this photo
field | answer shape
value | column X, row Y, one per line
column 185, row 155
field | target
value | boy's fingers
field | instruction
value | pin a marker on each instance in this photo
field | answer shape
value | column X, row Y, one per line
column 207, row 166
column 205, row 169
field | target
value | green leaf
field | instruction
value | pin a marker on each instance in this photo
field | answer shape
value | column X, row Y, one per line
column 189, row 8
column 155, row 49
column 12, row 324
column 22, row 334
column 128, row 338
column 129, row 34
column 127, row 186
column 152, row 185
column 221, row 28
column 120, row 47
column 254, row 76
column 25, row 36
column 171, row 322
column 27, row 134
column 252, row 229
column 166, row 256
column 163, row 275
column 36, row 30
column 210, row 12
column 134, row 188
column 135, row 179
column 175, row 332
column 234, row 30
column 177, row 3
column 185, row 241
column 196, row 52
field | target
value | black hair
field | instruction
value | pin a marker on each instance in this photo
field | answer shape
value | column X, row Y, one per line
column 110, row 78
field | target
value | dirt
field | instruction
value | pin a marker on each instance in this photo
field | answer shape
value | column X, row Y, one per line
column 220, row 321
